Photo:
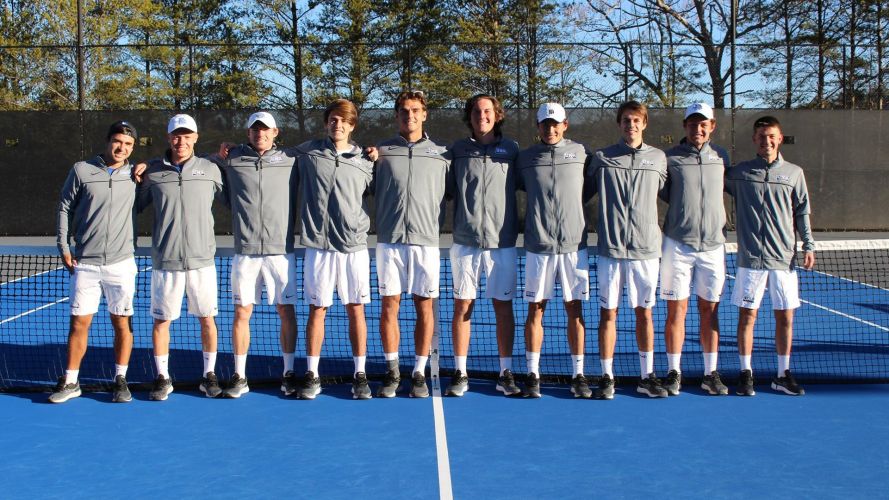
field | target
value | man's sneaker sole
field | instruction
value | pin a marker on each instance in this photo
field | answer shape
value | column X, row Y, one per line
column 122, row 398
column 66, row 397
column 515, row 393
column 742, row 393
column 236, row 394
column 643, row 390
column 207, row 392
column 310, row 393
column 365, row 395
column 781, row 388
column 456, row 391
column 161, row 396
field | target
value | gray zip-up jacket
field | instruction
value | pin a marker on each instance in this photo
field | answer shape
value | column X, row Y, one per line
column 553, row 178
column 182, row 236
column 694, row 190
column 483, row 181
column 332, row 187
column 100, row 208
column 409, row 189
column 771, row 200
column 261, row 194
column 628, row 182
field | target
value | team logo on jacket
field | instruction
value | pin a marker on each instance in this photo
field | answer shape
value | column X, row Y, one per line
column 647, row 163
column 713, row 157
column 432, row 151
column 784, row 178
column 570, row 156
column 500, row 151
column 197, row 172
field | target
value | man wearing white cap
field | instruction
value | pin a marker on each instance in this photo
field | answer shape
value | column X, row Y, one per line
column 694, row 244
column 182, row 188
column 552, row 175
column 260, row 182
column 628, row 176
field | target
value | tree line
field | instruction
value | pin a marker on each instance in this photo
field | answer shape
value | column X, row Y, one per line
column 236, row 54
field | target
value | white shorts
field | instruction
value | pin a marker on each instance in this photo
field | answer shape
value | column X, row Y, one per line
column 681, row 264
column 348, row 273
column 408, row 268
column 117, row 282
column 571, row 270
column 498, row 265
column 277, row 272
column 168, row 287
column 750, row 285
column 639, row 276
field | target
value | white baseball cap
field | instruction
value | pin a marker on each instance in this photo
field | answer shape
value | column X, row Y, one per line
column 551, row 111
column 266, row 118
column 699, row 108
column 182, row 121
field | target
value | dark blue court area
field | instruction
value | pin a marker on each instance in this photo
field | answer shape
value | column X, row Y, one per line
column 830, row 443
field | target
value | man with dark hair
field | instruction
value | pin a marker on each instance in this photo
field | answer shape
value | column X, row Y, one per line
column 483, row 181
column 96, row 211
column 182, row 188
column 694, row 244
column 772, row 206
column 628, row 177
column 552, row 175
column 334, row 177
column 409, row 188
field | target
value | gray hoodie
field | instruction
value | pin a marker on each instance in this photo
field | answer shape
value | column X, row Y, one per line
column 409, row 190
column 553, row 178
column 260, row 191
column 771, row 200
column 100, row 206
column 694, row 189
column 331, row 190
column 182, row 236
column 628, row 182
column 483, row 181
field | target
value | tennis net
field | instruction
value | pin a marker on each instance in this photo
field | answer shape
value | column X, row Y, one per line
column 841, row 332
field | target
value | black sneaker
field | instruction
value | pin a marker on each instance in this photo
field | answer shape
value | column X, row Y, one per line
column 506, row 384
column 459, row 384
column 787, row 384
column 311, row 386
column 418, row 386
column 121, row 393
column 360, row 388
column 391, row 381
column 289, row 383
column 673, row 382
column 237, row 387
column 580, row 387
column 713, row 384
column 532, row 386
column 161, row 389
column 606, row 387
column 63, row 392
column 651, row 387
column 210, row 385
column 745, row 384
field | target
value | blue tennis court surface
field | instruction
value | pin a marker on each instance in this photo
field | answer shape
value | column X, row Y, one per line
column 827, row 444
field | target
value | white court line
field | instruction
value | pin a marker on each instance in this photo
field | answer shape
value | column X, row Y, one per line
column 445, row 492
column 31, row 276
column 44, row 306
column 834, row 311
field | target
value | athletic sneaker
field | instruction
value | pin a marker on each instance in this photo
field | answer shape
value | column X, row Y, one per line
column 713, row 384
column 532, row 386
column 360, row 388
column 787, row 384
column 506, row 384
column 63, row 392
column 161, row 389
column 289, row 383
column 606, row 387
column 210, row 385
column 673, row 382
column 651, row 387
column 237, row 387
column 121, row 393
column 391, row 381
column 311, row 386
column 459, row 384
column 746, row 383
column 418, row 386
column 580, row 387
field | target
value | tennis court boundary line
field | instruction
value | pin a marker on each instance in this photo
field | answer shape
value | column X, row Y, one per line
column 32, row 311
column 445, row 490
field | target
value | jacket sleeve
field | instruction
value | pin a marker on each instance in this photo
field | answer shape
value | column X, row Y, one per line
column 143, row 193
column 801, row 211
column 67, row 202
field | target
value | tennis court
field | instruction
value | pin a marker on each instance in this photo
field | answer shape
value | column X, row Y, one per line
column 827, row 444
